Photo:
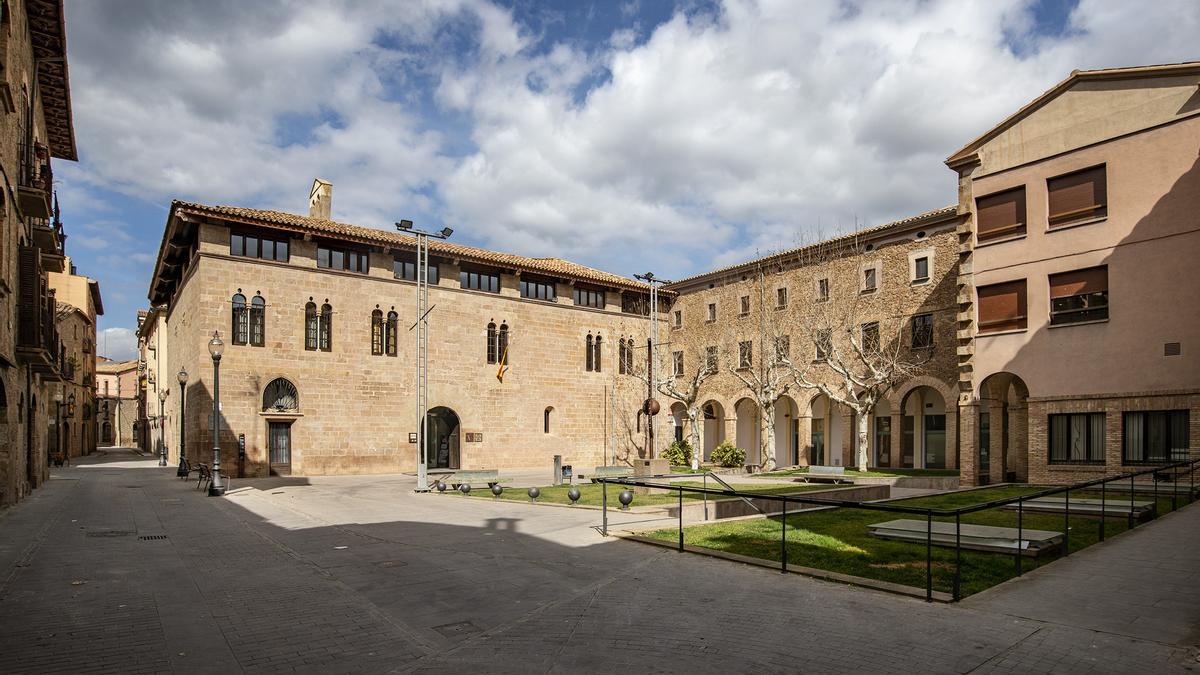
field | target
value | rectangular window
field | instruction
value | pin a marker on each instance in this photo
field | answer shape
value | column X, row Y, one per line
column 1155, row 437
column 746, row 354
column 870, row 283
column 712, row 312
column 922, row 331
column 341, row 259
column 405, row 267
column 745, row 304
column 1078, row 196
column 1000, row 215
column 678, row 318
column 824, row 344
column 870, row 337
column 252, row 246
column 781, row 298
column 635, row 304
column 783, row 348
column 1077, row 438
column 537, row 289
column 883, row 441
column 585, row 297
column 921, row 270
column 710, row 359
column 822, row 290
column 1079, row 296
column 1002, row 307
column 479, row 281
column 677, row 359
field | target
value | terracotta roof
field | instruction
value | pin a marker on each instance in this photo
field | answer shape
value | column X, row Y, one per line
column 1184, row 68
column 370, row 235
column 876, row 231
column 107, row 366
column 64, row 309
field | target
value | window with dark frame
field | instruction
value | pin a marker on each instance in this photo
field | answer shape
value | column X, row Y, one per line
column 921, row 269
column 546, row 420
column 746, row 354
column 599, row 351
column 621, row 356
column 325, row 328
column 504, row 358
column 711, row 362
column 1078, row 196
column 870, row 337
column 822, row 290
column 377, row 333
column 678, row 318
column 258, row 320
column 783, row 348
column 489, row 282
column 347, row 260
column 745, row 303
column 1155, row 437
column 922, row 331
column 589, row 353
column 629, row 356
column 391, row 333
column 1076, row 438
column 241, row 320
column 311, row 322
column 781, row 298
column 870, row 283
column 586, row 297
column 1002, row 307
column 632, row 303
column 677, row 360
column 537, row 289
column 255, row 246
column 712, row 312
column 405, row 267
column 824, row 344
column 1000, row 215
column 1079, row 296
column 492, row 356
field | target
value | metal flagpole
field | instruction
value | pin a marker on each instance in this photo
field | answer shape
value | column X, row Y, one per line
column 422, row 355
column 652, row 358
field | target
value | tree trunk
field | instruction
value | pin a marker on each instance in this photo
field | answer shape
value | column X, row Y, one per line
column 766, row 450
column 862, row 440
column 695, row 433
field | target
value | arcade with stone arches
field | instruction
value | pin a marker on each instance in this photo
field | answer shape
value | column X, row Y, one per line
column 996, row 444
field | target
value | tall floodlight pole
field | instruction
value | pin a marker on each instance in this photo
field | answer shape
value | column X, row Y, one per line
column 422, row 355
column 652, row 360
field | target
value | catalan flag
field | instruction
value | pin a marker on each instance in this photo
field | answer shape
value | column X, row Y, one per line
column 503, row 364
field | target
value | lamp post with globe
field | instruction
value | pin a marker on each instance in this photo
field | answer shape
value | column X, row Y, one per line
column 215, row 348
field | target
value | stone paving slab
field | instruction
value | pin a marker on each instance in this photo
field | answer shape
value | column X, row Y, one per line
column 358, row 574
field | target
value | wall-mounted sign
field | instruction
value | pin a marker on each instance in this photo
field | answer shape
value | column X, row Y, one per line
column 474, row 436
column 412, row 437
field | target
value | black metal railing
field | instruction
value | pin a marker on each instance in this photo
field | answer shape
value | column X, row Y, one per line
column 1159, row 474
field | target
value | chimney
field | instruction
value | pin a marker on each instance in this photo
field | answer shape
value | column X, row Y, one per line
column 320, row 200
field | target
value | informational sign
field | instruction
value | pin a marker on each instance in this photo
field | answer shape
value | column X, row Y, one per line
column 412, row 437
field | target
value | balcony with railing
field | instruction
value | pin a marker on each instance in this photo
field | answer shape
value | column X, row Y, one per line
column 38, row 344
column 36, row 184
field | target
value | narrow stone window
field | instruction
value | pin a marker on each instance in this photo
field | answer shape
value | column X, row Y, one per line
column 390, row 333
column 241, row 320
column 377, row 333
column 325, row 328
column 491, row 342
column 310, row 327
column 589, row 355
column 258, row 320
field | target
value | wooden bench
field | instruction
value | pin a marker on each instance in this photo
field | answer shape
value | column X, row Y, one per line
column 610, row 472
column 827, row 474
column 474, row 478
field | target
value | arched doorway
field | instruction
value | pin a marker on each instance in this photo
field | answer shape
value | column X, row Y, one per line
column 748, row 430
column 280, row 403
column 826, row 434
column 441, row 440
column 714, row 427
column 787, row 431
column 678, row 417
column 923, row 443
column 1002, row 453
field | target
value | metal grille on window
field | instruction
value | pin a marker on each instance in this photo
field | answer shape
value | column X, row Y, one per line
column 377, row 333
column 325, row 328
column 241, row 327
column 389, row 333
column 280, row 396
column 310, row 326
column 258, row 318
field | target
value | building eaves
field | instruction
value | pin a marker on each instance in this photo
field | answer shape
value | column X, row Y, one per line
column 367, row 235
column 864, row 235
column 1184, row 68
column 47, row 30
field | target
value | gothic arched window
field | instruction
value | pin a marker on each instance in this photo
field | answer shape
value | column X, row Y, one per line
column 241, row 320
column 310, row 326
column 258, row 320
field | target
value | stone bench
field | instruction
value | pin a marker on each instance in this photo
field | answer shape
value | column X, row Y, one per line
column 974, row 537
column 827, row 474
column 610, row 472
column 474, row 478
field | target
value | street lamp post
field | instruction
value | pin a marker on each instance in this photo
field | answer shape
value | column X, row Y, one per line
column 183, row 378
column 58, row 404
column 422, row 355
column 215, row 348
column 162, row 426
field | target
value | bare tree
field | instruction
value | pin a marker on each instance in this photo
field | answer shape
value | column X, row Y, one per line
column 768, row 377
column 677, row 382
column 860, row 350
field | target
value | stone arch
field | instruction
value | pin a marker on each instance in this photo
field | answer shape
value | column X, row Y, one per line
column 899, row 393
column 712, row 413
column 679, row 420
column 827, row 432
column 748, row 428
column 1001, row 446
column 280, row 395
column 925, row 428
column 786, row 419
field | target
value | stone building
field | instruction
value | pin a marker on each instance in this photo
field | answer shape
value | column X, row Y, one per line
column 1048, row 316
column 156, row 430
column 35, row 129
column 1078, row 313
column 116, row 402
column 317, row 373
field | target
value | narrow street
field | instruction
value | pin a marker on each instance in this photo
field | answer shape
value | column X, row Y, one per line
column 118, row 566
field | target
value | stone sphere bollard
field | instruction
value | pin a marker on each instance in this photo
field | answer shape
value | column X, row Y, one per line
column 466, row 488
column 573, row 495
column 497, row 490
column 626, row 498
column 534, row 493
column 441, row 487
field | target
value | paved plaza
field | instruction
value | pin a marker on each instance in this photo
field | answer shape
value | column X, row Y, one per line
column 117, row 566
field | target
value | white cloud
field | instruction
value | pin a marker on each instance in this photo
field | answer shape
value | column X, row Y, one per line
column 118, row 344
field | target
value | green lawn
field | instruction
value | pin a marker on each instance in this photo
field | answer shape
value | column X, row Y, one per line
column 877, row 473
column 837, row 540
column 590, row 493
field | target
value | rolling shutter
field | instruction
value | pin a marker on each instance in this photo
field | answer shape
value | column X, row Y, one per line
column 1001, row 214
column 1078, row 196
column 1002, row 307
column 1079, row 282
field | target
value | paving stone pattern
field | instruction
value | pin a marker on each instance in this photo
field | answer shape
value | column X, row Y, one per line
column 359, row 574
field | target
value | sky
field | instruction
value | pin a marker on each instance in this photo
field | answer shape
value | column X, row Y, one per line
column 636, row 136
